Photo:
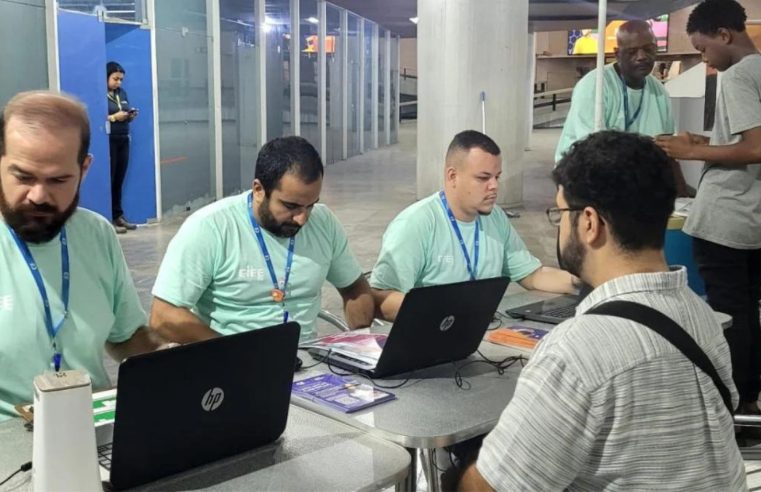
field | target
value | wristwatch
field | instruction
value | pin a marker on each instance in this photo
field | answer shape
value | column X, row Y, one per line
column 111, row 118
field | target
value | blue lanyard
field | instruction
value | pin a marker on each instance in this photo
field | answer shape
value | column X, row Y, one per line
column 278, row 292
column 629, row 122
column 452, row 220
column 65, row 279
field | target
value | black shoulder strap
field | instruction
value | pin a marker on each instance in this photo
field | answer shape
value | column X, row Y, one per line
column 671, row 331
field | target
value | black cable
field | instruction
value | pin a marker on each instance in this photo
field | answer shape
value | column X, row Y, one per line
column 494, row 320
column 326, row 360
column 23, row 468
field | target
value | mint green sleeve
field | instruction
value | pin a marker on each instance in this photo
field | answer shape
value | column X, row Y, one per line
column 344, row 269
column 580, row 121
column 188, row 266
column 518, row 262
column 128, row 313
column 402, row 257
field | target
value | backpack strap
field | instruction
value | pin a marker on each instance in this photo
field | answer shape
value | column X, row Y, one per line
column 671, row 331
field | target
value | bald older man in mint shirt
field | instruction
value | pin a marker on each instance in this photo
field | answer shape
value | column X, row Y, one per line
column 421, row 246
column 633, row 100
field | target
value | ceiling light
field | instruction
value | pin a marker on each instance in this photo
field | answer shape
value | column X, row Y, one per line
column 313, row 20
column 413, row 20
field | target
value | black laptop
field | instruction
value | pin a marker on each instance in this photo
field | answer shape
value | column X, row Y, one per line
column 187, row 406
column 553, row 311
column 435, row 324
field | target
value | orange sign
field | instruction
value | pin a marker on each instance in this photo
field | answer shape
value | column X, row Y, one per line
column 313, row 44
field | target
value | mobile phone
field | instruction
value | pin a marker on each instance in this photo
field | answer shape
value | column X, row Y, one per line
column 132, row 111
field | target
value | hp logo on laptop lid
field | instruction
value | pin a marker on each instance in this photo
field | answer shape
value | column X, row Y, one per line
column 446, row 323
column 212, row 399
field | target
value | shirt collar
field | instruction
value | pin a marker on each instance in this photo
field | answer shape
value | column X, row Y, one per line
column 675, row 278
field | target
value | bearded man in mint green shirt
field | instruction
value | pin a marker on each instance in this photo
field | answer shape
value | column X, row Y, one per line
column 256, row 259
column 421, row 245
column 53, row 253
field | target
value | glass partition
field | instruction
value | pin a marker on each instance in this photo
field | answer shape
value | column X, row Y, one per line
column 26, row 61
column 308, row 66
column 394, row 89
column 367, row 52
column 333, row 86
column 382, row 67
column 354, row 52
column 129, row 10
column 277, row 26
column 240, row 95
column 182, row 47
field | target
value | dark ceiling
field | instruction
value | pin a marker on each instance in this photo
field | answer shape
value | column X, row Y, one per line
column 544, row 15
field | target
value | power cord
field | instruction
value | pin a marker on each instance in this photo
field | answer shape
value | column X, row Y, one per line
column 326, row 360
column 500, row 365
column 23, row 468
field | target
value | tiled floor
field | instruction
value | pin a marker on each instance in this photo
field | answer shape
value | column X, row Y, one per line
column 366, row 192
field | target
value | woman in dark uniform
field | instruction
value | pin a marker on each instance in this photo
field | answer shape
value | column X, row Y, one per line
column 119, row 116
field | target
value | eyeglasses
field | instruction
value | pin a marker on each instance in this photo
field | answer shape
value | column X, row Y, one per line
column 554, row 214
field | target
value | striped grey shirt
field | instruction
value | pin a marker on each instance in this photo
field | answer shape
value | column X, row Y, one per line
column 607, row 404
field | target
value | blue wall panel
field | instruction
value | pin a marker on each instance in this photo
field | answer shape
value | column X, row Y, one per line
column 82, row 61
column 130, row 46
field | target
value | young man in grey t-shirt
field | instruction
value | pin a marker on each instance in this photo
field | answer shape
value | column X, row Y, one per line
column 725, row 220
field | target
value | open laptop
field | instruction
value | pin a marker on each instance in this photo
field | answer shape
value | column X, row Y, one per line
column 553, row 311
column 435, row 324
column 187, row 406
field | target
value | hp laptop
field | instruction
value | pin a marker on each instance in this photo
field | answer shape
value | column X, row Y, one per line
column 553, row 311
column 183, row 407
column 435, row 324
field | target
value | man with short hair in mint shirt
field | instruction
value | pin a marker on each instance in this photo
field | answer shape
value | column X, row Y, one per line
column 633, row 99
column 65, row 290
column 725, row 219
column 422, row 245
column 260, row 258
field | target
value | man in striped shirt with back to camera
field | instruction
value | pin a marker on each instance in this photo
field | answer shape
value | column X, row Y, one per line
column 606, row 403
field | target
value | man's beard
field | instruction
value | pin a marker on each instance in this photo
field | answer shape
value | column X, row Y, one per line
column 571, row 256
column 36, row 229
column 267, row 220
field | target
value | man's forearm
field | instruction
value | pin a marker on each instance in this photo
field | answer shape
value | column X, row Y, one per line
column 176, row 324
column 359, row 311
column 142, row 341
column 388, row 303
column 736, row 155
column 550, row 279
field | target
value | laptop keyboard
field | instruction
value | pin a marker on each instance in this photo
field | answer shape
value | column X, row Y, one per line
column 104, row 455
column 561, row 312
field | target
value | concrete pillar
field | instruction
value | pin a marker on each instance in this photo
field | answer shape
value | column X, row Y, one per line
column 466, row 47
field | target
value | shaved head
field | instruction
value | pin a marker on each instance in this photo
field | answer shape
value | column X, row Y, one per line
column 634, row 28
column 463, row 142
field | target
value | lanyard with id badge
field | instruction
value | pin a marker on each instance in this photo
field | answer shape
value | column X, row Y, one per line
column 52, row 329
column 472, row 270
column 278, row 288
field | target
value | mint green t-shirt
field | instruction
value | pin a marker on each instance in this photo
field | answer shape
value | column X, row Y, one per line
column 214, row 267
column 420, row 249
column 103, row 306
column 654, row 117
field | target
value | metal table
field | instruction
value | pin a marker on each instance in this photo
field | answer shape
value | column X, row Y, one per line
column 431, row 411
column 314, row 453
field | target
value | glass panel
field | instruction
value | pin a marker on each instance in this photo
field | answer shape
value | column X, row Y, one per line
column 368, row 54
column 333, row 87
column 240, row 95
column 187, row 180
column 381, row 86
column 28, row 59
column 130, row 10
column 277, row 26
column 354, row 55
column 308, row 78
column 394, row 88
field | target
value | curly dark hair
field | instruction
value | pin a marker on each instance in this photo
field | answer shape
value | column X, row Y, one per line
column 627, row 179
column 287, row 155
column 711, row 15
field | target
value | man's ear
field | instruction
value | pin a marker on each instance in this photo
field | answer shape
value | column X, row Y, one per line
column 591, row 226
column 86, row 166
column 724, row 35
column 450, row 173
